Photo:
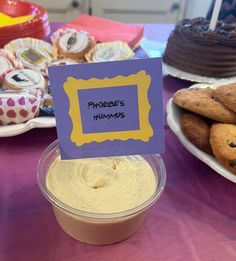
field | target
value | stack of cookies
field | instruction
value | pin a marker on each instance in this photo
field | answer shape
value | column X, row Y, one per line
column 209, row 121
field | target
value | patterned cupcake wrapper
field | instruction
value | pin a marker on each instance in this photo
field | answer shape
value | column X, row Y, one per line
column 17, row 108
column 13, row 61
column 14, row 45
column 109, row 51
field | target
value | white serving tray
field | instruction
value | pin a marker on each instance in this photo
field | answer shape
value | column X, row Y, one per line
column 173, row 120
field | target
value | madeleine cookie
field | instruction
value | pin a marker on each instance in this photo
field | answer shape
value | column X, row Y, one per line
column 197, row 131
column 227, row 95
column 201, row 101
column 223, row 143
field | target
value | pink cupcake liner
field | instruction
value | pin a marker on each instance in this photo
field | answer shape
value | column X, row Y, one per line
column 12, row 59
column 18, row 108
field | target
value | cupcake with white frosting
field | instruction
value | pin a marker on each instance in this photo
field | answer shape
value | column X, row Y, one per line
column 72, row 44
column 110, row 51
column 24, row 79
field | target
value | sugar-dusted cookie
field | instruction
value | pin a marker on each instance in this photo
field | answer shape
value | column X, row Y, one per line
column 223, row 143
column 197, row 130
column 201, row 101
column 226, row 94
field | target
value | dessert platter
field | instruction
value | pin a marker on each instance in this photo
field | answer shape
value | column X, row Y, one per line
column 207, row 138
column 25, row 94
column 197, row 54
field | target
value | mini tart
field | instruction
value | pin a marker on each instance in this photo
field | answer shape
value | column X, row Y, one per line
column 75, row 45
column 14, row 45
column 33, row 58
column 24, row 79
column 8, row 62
column 33, row 53
column 110, row 51
column 18, row 107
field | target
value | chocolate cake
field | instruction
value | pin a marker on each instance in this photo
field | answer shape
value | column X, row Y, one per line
column 193, row 48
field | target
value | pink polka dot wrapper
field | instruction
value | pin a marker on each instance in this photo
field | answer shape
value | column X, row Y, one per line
column 18, row 108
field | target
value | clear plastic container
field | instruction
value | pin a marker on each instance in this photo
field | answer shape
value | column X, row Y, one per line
column 96, row 228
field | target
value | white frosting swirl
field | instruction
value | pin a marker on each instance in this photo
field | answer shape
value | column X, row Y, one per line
column 102, row 185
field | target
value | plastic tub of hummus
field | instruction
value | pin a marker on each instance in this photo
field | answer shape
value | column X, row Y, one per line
column 100, row 201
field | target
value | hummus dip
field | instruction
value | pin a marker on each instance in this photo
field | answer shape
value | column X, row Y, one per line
column 102, row 185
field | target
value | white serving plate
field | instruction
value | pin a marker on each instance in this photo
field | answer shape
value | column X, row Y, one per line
column 16, row 129
column 173, row 120
column 167, row 69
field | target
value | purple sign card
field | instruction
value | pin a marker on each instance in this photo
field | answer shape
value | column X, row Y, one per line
column 108, row 109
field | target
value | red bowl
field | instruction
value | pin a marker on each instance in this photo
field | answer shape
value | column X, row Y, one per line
column 30, row 28
column 18, row 8
column 32, row 34
column 38, row 27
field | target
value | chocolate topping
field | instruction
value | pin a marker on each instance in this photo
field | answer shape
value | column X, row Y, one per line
column 193, row 48
column 232, row 163
column 198, row 30
column 71, row 41
column 232, row 144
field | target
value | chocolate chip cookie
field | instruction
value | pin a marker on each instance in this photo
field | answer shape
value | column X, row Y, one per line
column 201, row 101
column 226, row 94
column 223, row 144
column 197, row 130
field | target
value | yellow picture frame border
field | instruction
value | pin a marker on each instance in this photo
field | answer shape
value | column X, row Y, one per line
column 141, row 79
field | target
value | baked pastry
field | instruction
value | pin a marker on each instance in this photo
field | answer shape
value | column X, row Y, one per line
column 201, row 101
column 33, row 53
column 227, row 95
column 197, row 131
column 8, row 62
column 110, row 51
column 74, row 45
column 24, row 79
column 33, row 58
column 223, row 143
column 193, row 48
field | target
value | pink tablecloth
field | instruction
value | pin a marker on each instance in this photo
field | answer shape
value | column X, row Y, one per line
column 195, row 218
